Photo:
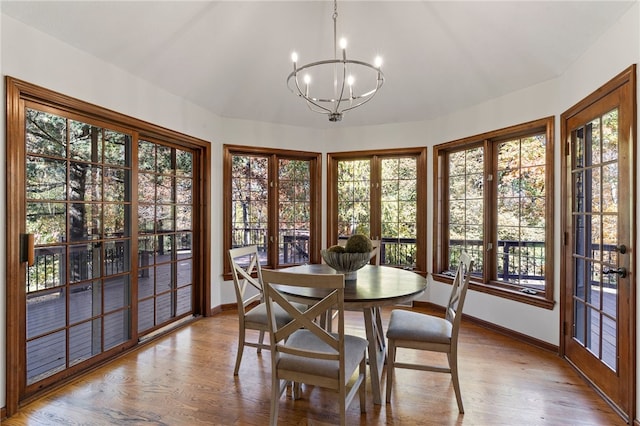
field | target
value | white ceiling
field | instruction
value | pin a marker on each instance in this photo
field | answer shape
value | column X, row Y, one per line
column 233, row 57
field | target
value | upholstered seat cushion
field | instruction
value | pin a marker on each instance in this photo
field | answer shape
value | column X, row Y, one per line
column 258, row 314
column 409, row 325
column 304, row 339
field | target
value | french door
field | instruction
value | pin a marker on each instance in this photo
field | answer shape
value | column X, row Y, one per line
column 599, row 226
column 103, row 245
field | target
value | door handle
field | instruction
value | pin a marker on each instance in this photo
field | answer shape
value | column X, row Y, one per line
column 622, row 272
column 622, row 249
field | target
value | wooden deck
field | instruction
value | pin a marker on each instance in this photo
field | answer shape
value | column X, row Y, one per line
column 88, row 336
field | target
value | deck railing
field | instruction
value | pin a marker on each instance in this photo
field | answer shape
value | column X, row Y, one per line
column 523, row 261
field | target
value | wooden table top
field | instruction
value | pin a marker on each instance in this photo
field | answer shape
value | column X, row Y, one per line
column 374, row 286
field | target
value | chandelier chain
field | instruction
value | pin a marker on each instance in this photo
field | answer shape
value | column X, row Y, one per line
column 335, row 27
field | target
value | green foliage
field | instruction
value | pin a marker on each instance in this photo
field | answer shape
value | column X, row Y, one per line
column 358, row 243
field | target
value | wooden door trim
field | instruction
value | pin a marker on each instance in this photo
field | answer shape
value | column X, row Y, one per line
column 17, row 92
column 626, row 77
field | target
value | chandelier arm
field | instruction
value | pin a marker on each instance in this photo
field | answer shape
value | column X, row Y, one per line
column 344, row 79
column 366, row 98
column 306, row 97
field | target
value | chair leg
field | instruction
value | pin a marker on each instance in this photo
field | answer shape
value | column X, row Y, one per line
column 276, row 393
column 453, row 364
column 342, row 394
column 241, row 339
column 379, row 328
column 296, row 390
column 261, row 340
column 363, row 385
column 391, row 359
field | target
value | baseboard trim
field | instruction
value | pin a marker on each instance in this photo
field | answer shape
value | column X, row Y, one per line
column 497, row 328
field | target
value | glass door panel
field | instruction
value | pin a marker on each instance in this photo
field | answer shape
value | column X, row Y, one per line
column 165, row 235
column 78, row 300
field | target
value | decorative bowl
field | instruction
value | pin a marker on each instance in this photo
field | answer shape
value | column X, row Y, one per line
column 346, row 263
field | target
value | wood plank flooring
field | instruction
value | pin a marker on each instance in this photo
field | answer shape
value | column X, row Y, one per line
column 186, row 378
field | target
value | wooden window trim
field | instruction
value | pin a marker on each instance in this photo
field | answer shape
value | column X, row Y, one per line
column 315, row 159
column 420, row 153
column 486, row 284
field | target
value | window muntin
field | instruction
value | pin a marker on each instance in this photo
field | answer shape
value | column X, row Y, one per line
column 272, row 201
column 493, row 198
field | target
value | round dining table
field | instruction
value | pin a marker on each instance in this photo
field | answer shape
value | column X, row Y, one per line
column 374, row 287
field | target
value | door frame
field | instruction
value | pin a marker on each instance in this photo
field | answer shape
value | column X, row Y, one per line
column 626, row 77
column 17, row 91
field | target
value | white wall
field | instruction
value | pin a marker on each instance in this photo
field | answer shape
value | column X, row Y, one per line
column 32, row 56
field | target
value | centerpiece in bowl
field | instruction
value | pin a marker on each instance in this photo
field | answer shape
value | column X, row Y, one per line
column 348, row 259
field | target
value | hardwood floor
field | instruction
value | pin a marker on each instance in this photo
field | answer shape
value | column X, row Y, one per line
column 186, row 378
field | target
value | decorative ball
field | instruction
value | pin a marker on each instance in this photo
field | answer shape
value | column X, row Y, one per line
column 336, row 249
column 358, row 243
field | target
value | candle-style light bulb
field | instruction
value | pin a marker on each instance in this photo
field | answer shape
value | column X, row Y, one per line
column 294, row 57
column 350, row 80
column 343, row 43
column 307, row 79
column 378, row 62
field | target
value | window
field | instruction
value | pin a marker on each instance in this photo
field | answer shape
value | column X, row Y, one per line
column 382, row 195
column 493, row 199
column 272, row 200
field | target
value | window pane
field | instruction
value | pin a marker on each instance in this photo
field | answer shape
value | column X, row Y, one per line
column 85, row 182
column 84, row 221
column 84, row 262
column 249, row 200
column 294, row 199
column 116, row 147
column 47, row 222
column 399, row 211
column 521, row 175
column 116, row 184
column 466, row 206
column 45, row 134
column 146, row 156
column 184, row 163
column 354, row 197
column 85, row 142
column 46, row 179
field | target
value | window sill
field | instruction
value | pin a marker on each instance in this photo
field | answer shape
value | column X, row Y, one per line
column 537, row 300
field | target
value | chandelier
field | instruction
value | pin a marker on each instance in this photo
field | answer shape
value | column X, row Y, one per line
column 335, row 81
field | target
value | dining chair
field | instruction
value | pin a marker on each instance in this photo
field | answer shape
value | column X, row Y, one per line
column 304, row 352
column 252, row 311
column 375, row 252
column 414, row 330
